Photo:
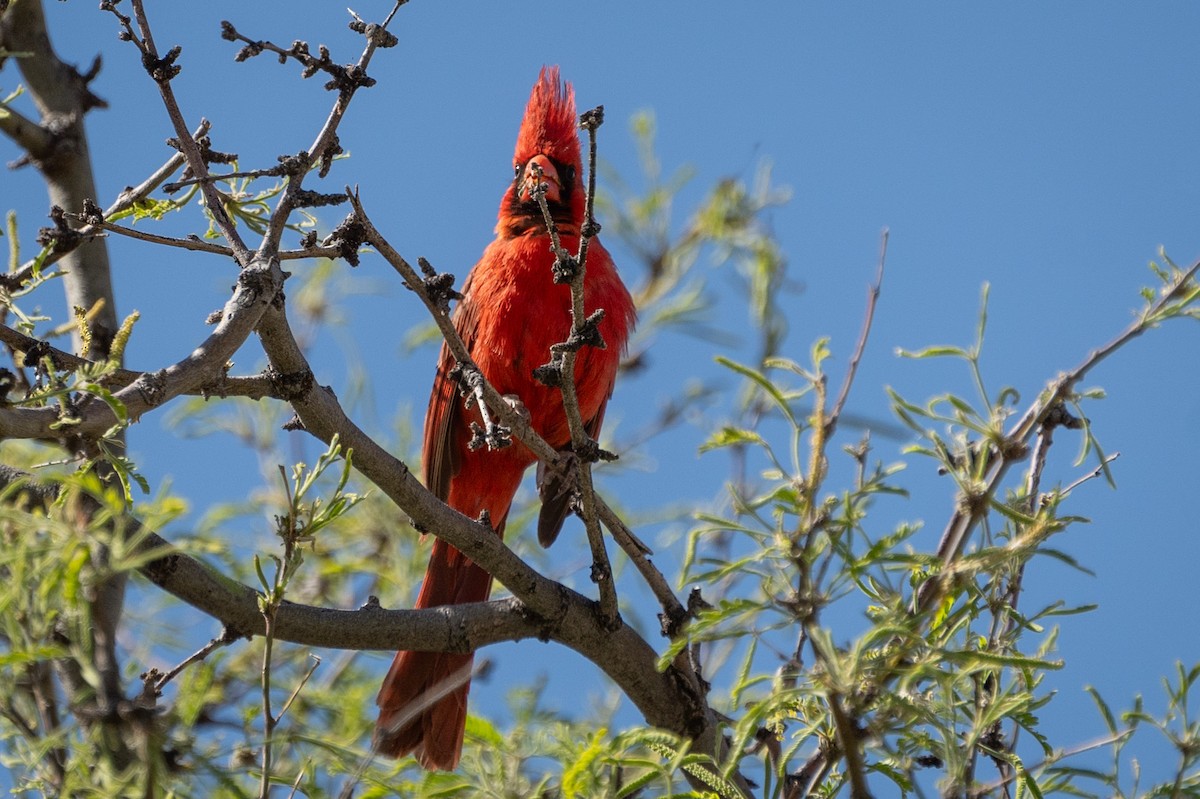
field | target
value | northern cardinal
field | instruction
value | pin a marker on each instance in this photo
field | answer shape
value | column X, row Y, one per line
column 510, row 313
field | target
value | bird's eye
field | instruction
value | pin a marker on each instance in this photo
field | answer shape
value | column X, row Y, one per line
column 568, row 173
column 517, row 170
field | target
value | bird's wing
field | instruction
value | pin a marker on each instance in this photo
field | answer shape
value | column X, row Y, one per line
column 555, row 487
column 442, row 447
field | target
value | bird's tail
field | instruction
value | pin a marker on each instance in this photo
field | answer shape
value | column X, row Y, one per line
column 423, row 701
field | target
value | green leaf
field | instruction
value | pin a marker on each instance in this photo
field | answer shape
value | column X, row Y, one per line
column 731, row 436
column 1110, row 721
column 763, row 382
column 576, row 778
column 933, row 352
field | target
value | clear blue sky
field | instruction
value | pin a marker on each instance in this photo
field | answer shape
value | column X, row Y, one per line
column 1048, row 149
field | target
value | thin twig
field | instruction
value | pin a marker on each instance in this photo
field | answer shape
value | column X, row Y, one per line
column 1013, row 448
column 196, row 244
column 581, row 442
column 128, row 197
column 639, row 554
column 300, row 685
column 187, row 144
column 872, row 299
column 1092, row 475
column 158, row 680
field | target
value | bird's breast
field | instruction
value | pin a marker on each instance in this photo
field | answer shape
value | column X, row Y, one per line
column 521, row 314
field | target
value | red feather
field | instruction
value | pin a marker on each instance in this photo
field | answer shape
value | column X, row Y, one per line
column 510, row 314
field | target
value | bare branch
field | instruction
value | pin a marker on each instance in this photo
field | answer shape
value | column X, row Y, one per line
column 257, row 287
column 251, row 386
column 326, row 145
column 129, row 197
column 162, row 70
column 872, row 299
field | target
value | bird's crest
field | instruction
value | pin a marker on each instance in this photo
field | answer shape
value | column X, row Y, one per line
column 549, row 126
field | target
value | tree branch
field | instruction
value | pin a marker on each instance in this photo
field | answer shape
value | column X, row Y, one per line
column 125, row 200
column 583, row 447
column 162, row 70
column 325, row 145
column 31, row 137
column 250, row 386
column 257, row 287
column 1013, row 448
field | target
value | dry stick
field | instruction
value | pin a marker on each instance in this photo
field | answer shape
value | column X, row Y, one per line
column 156, row 681
column 494, row 436
column 193, row 243
column 325, row 138
column 187, row 144
column 125, row 200
column 197, row 244
column 312, row 669
column 581, row 442
column 639, row 554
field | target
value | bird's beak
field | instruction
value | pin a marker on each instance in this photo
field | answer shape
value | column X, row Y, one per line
column 540, row 169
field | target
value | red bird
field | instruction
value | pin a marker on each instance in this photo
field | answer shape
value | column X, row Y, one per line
column 510, row 314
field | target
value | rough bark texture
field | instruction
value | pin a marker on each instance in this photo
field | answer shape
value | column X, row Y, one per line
column 59, row 149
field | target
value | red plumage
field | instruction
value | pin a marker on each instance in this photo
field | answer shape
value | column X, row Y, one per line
column 510, row 314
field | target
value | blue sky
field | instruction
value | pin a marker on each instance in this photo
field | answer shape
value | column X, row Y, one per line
column 1047, row 149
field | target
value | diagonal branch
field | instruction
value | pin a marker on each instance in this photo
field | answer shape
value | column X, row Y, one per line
column 162, row 70
column 1014, row 446
column 250, row 386
column 326, row 142
column 128, row 197
column 256, row 289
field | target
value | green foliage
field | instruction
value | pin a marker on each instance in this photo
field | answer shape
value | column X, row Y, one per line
column 947, row 689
